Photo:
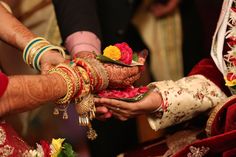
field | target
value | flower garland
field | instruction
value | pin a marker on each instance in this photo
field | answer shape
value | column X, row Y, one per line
column 58, row 148
column 230, row 57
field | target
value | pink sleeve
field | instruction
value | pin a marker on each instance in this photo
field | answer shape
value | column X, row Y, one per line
column 83, row 41
column 3, row 83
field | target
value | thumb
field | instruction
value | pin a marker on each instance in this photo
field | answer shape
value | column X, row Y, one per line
column 142, row 56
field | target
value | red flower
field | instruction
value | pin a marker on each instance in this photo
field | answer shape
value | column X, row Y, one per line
column 129, row 92
column 233, row 60
column 143, row 89
column 126, row 52
column 234, row 9
column 231, row 76
column 46, row 148
column 231, row 41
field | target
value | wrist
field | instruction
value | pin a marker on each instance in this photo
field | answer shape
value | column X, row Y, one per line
column 61, row 84
column 82, row 41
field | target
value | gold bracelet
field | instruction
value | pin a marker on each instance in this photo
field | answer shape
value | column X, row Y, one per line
column 74, row 76
column 66, row 99
column 33, row 51
column 96, row 64
column 86, row 86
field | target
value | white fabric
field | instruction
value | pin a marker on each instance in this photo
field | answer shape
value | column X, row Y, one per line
column 219, row 37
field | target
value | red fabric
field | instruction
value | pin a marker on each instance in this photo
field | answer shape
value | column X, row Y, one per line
column 223, row 132
column 207, row 68
column 217, row 144
column 3, row 83
column 12, row 141
column 222, row 124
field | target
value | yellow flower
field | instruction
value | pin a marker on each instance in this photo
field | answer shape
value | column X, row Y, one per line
column 57, row 146
column 230, row 83
column 112, row 52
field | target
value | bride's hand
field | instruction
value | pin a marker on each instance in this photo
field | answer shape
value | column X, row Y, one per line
column 124, row 76
column 125, row 110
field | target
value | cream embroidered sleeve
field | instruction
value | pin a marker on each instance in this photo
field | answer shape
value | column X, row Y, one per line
column 184, row 99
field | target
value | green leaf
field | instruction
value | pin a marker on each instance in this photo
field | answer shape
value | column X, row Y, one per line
column 135, row 57
column 103, row 58
column 67, row 151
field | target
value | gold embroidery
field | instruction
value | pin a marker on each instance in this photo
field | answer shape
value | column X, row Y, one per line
column 198, row 152
column 6, row 150
column 2, row 136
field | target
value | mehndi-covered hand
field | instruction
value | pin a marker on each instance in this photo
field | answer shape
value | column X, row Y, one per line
column 125, row 110
column 124, row 76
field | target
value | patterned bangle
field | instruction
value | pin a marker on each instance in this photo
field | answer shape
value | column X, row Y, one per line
column 81, row 84
column 29, row 45
column 104, row 79
column 33, row 51
column 66, row 99
column 86, row 84
column 90, row 71
column 36, row 60
column 71, row 72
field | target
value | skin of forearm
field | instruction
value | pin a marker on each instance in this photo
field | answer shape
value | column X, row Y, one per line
column 28, row 92
column 13, row 31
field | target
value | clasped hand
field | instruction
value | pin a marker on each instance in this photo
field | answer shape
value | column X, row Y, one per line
column 119, row 77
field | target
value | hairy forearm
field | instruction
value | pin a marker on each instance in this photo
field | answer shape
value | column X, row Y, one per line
column 28, row 92
column 12, row 31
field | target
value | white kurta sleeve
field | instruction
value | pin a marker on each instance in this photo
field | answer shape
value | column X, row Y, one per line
column 184, row 99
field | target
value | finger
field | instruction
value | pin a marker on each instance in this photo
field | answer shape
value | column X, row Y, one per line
column 142, row 56
column 112, row 103
column 119, row 111
column 104, row 117
column 101, row 110
column 120, row 117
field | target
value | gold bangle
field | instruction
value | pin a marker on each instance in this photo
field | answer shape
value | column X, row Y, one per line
column 86, row 85
column 73, row 75
column 66, row 99
column 33, row 51
column 102, row 72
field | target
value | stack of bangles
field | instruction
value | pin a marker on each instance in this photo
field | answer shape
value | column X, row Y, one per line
column 83, row 77
column 35, row 49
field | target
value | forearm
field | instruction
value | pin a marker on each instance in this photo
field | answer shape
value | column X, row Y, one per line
column 12, row 31
column 28, row 92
